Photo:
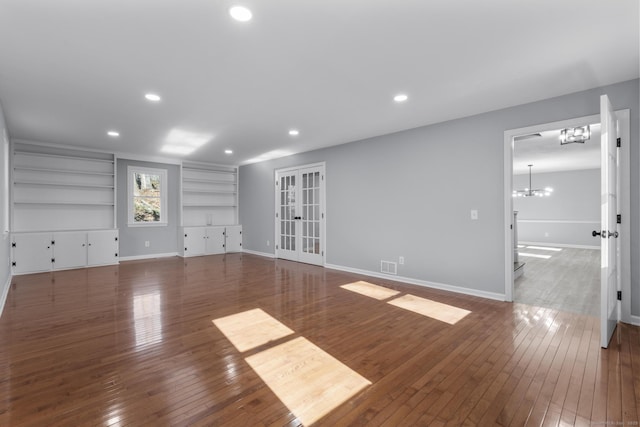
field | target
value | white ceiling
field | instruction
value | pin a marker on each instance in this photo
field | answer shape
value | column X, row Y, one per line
column 547, row 155
column 71, row 70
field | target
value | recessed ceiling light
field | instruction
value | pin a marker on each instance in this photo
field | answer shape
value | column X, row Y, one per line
column 240, row 13
column 228, row 151
column 152, row 97
column 400, row 97
column 113, row 133
column 294, row 132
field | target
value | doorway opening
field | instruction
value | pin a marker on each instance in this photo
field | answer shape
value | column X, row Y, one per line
column 624, row 196
column 556, row 205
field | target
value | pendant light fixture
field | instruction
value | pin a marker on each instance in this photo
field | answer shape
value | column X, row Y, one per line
column 530, row 191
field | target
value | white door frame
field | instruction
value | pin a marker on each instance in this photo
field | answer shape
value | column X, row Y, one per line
column 624, row 274
column 323, row 201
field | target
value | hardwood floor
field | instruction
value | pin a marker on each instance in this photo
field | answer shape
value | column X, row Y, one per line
column 135, row 344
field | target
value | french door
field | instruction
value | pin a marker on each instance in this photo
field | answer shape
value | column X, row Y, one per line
column 609, row 242
column 300, row 222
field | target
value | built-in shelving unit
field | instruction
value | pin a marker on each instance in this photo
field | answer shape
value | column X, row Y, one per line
column 61, row 189
column 209, row 194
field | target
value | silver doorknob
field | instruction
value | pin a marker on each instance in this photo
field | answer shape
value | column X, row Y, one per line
column 614, row 234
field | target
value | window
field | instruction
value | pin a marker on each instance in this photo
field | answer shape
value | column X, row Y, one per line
column 147, row 196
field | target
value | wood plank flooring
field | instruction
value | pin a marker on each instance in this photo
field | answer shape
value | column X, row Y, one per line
column 135, row 345
column 569, row 280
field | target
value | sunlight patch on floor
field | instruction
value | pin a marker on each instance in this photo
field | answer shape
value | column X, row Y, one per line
column 534, row 255
column 544, row 248
column 370, row 290
column 309, row 381
column 251, row 329
column 426, row 307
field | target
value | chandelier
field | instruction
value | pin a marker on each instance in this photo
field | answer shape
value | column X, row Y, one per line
column 530, row 191
column 573, row 135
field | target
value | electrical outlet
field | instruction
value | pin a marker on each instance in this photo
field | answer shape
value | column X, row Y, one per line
column 146, row 244
column 401, row 260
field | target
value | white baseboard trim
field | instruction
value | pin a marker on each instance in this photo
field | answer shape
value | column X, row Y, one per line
column 3, row 297
column 559, row 245
column 264, row 254
column 635, row 320
column 427, row 284
column 148, row 256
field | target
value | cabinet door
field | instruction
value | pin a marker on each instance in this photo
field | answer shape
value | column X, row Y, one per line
column 233, row 241
column 69, row 250
column 215, row 240
column 32, row 252
column 194, row 241
column 102, row 247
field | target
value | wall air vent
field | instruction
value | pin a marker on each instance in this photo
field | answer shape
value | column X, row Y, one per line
column 388, row 267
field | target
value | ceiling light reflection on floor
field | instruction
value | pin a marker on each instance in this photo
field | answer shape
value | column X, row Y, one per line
column 309, row 381
column 534, row 255
column 370, row 290
column 436, row 310
column 251, row 329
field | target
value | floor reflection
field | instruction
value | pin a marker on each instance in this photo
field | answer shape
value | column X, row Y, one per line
column 147, row 318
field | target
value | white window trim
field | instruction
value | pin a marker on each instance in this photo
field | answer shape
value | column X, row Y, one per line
column 164, row 220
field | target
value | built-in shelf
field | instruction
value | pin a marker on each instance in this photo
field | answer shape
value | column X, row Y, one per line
column 209, row 205
column 56, row 188
column 59, row 156
column 32, row 202
column 209, row 194
column 208, row 191
column 62, row 184
column 210, row 181
column 65, row 171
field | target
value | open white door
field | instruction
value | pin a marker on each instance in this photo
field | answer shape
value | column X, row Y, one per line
column 608, row 222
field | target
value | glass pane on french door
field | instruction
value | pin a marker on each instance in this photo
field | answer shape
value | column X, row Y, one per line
column 287, row 214
column 311, row 212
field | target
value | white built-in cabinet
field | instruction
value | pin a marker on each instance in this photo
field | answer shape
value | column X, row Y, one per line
column 211, row 240
column 60, row 250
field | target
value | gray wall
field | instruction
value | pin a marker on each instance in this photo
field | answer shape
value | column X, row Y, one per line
column 162, row 240
column 409, row 194
column 5, row 272
column 574, row 203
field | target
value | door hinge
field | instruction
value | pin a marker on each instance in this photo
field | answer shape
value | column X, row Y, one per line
column 276, row 183
column 619, row 142
column 276, row 247
column 619, row 295
column 322, row 215
column 322, row 253
column 619, row 219
column 276, row 217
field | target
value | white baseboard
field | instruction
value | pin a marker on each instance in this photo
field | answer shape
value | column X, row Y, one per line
column 559, row 245
column 635, row 320
column 264, row 254
column 427, row 284
column 148, row 256
column 3, row 297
